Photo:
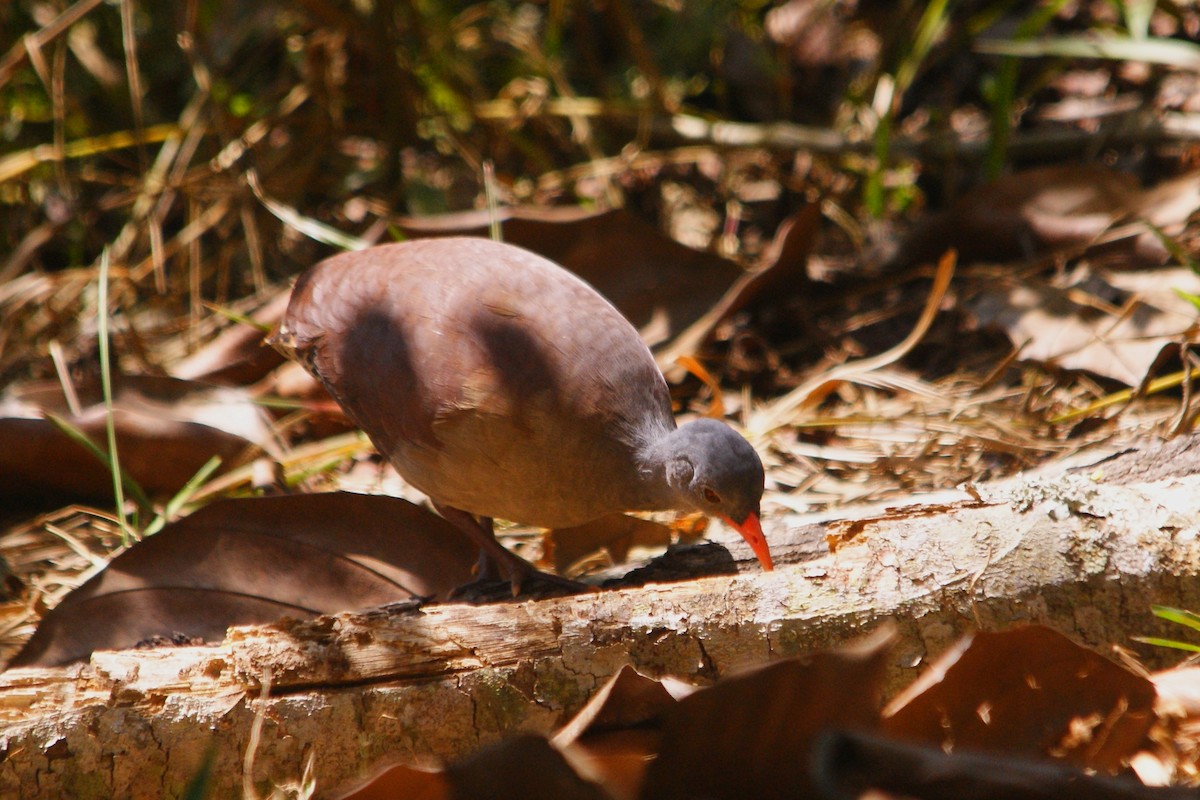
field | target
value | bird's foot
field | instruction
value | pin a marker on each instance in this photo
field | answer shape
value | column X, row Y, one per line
column 524, row 580
column 495, row 559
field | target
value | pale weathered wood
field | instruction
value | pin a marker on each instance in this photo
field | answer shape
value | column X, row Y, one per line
column 356, row 689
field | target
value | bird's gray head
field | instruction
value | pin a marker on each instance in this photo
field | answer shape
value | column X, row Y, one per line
column 710, row 468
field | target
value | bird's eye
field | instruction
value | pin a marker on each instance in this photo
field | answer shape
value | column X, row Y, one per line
column 711, row 496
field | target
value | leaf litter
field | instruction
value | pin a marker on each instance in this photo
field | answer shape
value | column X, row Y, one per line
column 1062, row 301
column 1023, row 713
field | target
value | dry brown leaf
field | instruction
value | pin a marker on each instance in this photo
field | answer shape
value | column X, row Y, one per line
column 1113, row 324
column 751, row 735
column 618, row 759
column 1023, row 214
column 525, row 767
column 166, row 430
column 627, row 699
column 1029, row 691
column 617, row 733
column 394, row 783
column 247, row 561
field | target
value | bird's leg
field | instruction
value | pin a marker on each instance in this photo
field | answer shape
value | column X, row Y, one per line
column 485, row 568
column 493, row 555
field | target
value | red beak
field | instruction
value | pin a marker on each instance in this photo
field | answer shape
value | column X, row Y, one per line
column 751, row 531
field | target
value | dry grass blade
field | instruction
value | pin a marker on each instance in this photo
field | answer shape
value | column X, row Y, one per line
column 58, row 552
column 157, row 192
column 129, row 40
column 313, row 229
column 1125, row 395
column 64, row 378
column 198, row 225
column 248, row 789
column 17, row 164
column 1185, row 55
column 773, row 416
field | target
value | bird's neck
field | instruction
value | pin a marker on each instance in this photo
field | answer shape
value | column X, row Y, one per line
column 655, row 450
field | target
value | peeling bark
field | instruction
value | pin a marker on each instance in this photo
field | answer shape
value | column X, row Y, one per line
column 356, row 690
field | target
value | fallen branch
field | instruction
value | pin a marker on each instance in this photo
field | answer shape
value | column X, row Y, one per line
column 355, row 689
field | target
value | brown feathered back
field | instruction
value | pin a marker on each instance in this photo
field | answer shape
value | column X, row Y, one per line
column 494, row 380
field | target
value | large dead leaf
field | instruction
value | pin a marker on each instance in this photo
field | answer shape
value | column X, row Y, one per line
column 524, row 767
column 1028, row 213
column 246, row 561
column 1112, row 324
column 752, row 735
column 166, row 430
column 1031, row 692
column 401, row 781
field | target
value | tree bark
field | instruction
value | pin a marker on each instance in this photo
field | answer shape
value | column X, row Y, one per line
column 357, row 690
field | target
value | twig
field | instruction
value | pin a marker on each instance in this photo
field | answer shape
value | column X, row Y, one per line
column 695, row 129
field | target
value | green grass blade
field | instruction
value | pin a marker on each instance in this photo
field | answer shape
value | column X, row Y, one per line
column 1003, row 91
column 1177, row 250
column 240, row 319
column 83, row 440
column 182, row 496
column 933, row 22
column 110, row 423
column 1194, row 299
column 1178, row 616
column 1171, row 643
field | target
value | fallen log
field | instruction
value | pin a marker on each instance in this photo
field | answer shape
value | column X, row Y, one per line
column 350, row 691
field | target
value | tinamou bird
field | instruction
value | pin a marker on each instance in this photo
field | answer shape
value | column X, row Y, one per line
column 503, row 386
